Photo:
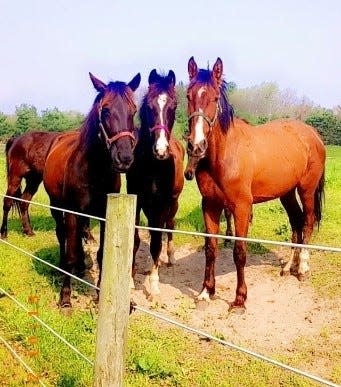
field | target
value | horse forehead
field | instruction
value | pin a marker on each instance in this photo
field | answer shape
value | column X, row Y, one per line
column 115, row 100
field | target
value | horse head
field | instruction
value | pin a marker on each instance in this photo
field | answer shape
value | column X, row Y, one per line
column 207, row 107
column 158, row 112
column 114, row 110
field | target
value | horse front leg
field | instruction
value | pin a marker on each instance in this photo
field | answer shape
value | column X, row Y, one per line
column 242, row 215
column 212, row 211
column 69, row 263
column 137, row 242
column 155, row 251
column 170, row 224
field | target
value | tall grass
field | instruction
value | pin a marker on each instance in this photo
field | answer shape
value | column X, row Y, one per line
column 157, row 354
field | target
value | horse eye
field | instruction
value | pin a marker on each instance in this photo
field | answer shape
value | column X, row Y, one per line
column 105, row 112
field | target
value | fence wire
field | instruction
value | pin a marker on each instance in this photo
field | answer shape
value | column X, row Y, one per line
column 163, row 318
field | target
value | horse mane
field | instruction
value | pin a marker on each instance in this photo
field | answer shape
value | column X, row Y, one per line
column 90, row 127
column 226, row 112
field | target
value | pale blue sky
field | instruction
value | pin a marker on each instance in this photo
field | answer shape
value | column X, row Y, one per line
column 48, row 47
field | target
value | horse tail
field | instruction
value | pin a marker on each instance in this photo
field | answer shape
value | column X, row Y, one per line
column 319, row 199
column 18, row 192
column 8, row 145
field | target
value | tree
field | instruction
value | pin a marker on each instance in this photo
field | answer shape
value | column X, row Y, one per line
column 27, row 119
column 6, row 128
column 327, row 124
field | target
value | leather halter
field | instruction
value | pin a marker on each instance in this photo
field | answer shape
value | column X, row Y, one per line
column 210, row 121
column 110, row 140
column 160, row 126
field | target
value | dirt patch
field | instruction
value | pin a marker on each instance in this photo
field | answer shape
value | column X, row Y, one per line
column 279, row 309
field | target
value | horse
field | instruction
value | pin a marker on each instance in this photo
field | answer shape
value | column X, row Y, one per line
column 81, row 169
column 156, row 175
column 248, row 165
column 25, row 159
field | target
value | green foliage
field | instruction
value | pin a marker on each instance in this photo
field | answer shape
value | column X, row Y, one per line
column 27, row 119
column 327, row 124
column 54, row 120
column 6, row 127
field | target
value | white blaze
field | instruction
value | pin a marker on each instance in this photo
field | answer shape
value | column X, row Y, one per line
column 162, row 143
column 199, row 125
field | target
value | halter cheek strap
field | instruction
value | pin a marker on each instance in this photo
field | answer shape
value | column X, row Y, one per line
column 210, row 122
column 114, row 138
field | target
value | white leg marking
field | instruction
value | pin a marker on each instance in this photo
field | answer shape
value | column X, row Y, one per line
column 170, row 253
column 303, row 266
column 203, row 296
column 154, row 281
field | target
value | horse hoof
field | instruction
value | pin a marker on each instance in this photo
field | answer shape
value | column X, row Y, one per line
column 236, row 309
column 302, row 276
column 285, row 273
column 154, row 299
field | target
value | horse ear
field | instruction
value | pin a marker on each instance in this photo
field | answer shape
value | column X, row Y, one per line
column 98, row 84
column 152, row 77
column 218, row 70
column 135, row 82
column 171, row 77
column 192, row 68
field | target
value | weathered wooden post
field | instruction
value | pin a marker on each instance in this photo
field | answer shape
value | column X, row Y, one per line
column 114, row 299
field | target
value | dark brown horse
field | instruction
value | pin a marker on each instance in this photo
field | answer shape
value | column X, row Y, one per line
column 156, row 176
column 25, row 159
column 249, row 165
column 82, row 169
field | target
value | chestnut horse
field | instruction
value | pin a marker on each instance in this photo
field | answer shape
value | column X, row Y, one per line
column 81, row 169
column 156, row 176
column 249, row 165
column 25, row 159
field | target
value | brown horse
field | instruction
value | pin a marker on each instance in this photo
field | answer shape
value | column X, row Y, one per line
column 249, row 165
column 81, row 169
column 156, row 176
column 25, row 159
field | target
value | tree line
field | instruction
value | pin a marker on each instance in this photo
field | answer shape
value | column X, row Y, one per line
column 256, row 104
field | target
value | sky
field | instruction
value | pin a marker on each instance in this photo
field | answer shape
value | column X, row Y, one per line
column 48, row 47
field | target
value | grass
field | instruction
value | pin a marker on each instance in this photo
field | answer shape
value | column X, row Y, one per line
column 157, row 354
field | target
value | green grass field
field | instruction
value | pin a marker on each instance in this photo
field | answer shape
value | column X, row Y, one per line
column 157, row 354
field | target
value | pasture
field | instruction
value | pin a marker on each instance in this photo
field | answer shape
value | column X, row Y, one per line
column 159, row 354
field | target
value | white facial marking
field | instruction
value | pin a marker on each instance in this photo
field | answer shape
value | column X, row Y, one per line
column 199, row 129
column 162, row 100
column 201, row 90
column 161, row 143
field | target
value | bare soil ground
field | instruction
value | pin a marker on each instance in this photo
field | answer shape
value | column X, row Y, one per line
column 279, row 310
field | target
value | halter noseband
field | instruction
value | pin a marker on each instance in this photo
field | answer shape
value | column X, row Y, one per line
column 160, row 126
column 110, row 140
column 210, row 122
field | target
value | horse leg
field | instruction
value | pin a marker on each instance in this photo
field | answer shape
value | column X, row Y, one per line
column 212, row 213
column 295, row 215
column 242, row 215
column 155, row 221
column 307, row 199
column 100, row 251
column 229, row 231
column 170, row 224
column 32, row 185
column 70, row 260
column 12, row 190
column 137, row 241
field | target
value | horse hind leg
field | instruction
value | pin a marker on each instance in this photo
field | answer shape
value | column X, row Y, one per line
column 32, row 184
column 13, row 189
column 295, row 215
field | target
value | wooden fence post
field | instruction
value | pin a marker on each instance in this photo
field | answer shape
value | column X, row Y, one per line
column 114, row 300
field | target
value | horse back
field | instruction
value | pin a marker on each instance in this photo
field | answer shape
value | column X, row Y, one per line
column 54, row 172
